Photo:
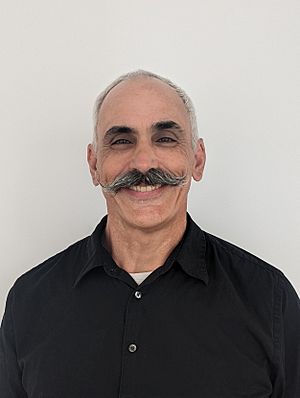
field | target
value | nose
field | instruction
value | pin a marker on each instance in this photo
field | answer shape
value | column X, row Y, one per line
column 144, row 157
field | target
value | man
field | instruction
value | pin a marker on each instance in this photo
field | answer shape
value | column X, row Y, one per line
column 150, row 305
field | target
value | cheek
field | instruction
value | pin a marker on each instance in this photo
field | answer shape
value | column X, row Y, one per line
column 109, row 168
column 178, row 165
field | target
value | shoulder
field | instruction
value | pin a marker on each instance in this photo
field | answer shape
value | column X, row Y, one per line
column 248, row 279
column 55, row 271
column 244, row 275
column 238, row 258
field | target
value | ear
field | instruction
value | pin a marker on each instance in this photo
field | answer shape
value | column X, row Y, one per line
column 92, row 161
column 199, row 160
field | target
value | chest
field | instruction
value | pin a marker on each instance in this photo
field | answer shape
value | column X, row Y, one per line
column 177, row 344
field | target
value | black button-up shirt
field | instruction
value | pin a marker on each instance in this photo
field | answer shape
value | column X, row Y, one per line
column 213, row 322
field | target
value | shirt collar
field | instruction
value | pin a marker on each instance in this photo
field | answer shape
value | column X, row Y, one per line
column 189, row 253
column 192, row 253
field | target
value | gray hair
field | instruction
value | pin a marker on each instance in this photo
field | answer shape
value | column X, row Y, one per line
column 142, row 73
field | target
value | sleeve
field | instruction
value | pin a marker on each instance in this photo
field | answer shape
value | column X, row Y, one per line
column 287, row 341
column 10, row 372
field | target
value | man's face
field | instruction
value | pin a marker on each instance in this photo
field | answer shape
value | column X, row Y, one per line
column 143, row 124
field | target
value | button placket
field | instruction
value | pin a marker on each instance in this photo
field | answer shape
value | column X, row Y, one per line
column 131, row 343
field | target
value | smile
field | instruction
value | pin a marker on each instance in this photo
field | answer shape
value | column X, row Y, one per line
column 143, row 188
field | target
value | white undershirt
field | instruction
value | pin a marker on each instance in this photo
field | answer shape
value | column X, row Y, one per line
column 139, row 277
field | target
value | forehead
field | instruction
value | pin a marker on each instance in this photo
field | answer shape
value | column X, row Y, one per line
column 142, row 102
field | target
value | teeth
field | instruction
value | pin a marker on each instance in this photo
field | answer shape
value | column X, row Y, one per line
column 142, row 188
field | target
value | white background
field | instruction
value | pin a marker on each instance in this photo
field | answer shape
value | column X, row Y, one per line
column 237, row 59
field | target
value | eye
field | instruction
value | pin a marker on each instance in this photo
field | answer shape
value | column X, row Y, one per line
column 121, row 141
column 166, row 139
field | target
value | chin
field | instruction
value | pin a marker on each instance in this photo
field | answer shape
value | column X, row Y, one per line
column 150, row 218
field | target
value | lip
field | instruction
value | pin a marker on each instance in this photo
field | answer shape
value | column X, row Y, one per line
column 144, row 195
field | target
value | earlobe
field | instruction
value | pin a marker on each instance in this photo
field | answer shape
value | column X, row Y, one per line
column 199, row 159
column 92, row 161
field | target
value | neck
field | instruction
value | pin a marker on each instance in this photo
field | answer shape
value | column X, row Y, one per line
column 142, row 250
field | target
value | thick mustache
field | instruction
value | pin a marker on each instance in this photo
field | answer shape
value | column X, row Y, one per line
column 151, row 177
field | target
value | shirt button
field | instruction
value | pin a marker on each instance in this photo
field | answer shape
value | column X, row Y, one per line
column 132, row 348
column 138, row 294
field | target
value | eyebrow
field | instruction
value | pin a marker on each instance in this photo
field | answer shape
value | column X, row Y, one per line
column 118, row 130
column 158, row 126
column 166, row 125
